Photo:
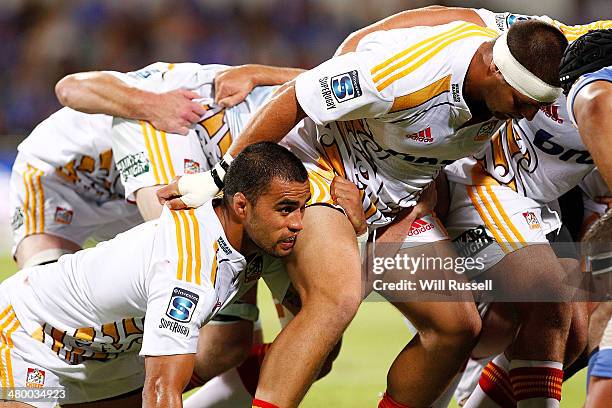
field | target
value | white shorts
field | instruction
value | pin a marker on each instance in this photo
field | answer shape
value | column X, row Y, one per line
column 490, row 221
column 43, row 203
column 32, row 373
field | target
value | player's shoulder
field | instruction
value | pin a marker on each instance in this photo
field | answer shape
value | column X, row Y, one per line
column 589, row 80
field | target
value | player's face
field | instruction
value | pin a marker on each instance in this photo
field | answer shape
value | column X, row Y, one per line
column 274, row 222
column 507, row 103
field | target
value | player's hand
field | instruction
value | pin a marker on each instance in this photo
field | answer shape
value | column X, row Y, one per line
column 425, row 205
column 346, row 195
column 233, row 85
column 188, row 191
column 175, row 111
column 604, row 200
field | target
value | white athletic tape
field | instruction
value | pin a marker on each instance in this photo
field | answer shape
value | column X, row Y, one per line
column 198, row 188
column 519, row 77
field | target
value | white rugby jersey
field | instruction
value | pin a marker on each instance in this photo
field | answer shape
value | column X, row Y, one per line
column 390, row 114
column 177, row 271
column 76, row 147
column 541, row 159
column 217, row 127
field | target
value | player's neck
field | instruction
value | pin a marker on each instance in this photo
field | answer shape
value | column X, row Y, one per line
column 476, row 82
column 234, row 231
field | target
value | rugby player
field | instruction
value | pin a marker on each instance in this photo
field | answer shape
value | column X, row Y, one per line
column 351, row 101
column 77, row 327
column 586, row 75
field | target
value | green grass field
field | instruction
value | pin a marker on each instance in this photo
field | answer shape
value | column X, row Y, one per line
column 370, row 344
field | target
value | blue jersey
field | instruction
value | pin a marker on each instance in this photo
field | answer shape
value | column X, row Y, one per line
column 604, row 74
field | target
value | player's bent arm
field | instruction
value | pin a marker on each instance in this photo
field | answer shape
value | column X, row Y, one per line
column 592, row 108
column 165, row 379
column 102, row 92
column 234, row 84
column 427, row 16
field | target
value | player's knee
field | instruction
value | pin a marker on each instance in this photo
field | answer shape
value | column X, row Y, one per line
column 578, row 335
column 461, row 333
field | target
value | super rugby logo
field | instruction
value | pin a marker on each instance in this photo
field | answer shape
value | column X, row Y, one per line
column 346, row 86
column 326, row 93
column 182, row 305
column 419, row 226
column 174, row 327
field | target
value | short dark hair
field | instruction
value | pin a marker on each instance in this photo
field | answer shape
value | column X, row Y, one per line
column 589, row 53
column 539, row 47
column 254, row 169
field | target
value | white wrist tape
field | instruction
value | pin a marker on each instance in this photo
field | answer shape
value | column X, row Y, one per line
column 519, row 77
column 198, row 188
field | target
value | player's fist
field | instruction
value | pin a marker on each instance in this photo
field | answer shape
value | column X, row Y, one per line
column 347, row 195
column 233, row 85
column 175, row 111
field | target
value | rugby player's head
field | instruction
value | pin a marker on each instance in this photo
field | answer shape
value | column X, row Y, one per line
column 267, row 187
column 589, row 53
column 524, row 68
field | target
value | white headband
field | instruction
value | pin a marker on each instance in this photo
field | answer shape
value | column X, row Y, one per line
column 519, row 77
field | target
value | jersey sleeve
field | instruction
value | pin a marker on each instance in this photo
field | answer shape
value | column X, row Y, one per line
column 341, row 89
column 177, row 305
column 501, row 22
column 604, row 74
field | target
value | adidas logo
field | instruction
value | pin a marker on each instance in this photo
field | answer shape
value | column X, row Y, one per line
column 419, row 226
column 552, row 111
column 423, row 136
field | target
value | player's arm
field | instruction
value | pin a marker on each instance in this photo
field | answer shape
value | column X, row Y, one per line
column 427, row 16
column 102, row 92
column 165, row 379
column 234, row 84
column 592, row 107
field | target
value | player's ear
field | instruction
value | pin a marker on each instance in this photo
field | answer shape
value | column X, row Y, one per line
column 239, row 203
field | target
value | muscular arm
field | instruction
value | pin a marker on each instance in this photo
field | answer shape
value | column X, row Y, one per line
column 592, row 108
column 165, row 379
column 234, row 84
column 427, row 16
column 272, row 121
column 101, row 92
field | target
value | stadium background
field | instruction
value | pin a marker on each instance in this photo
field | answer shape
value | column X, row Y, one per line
column 43, row 40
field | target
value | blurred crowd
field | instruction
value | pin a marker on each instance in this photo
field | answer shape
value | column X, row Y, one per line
column 43, row 40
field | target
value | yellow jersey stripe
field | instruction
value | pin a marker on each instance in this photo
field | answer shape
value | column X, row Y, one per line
column 411, row 52
column 196, row 240
column 41, row 202
column 504, row 215
column 143, row 126
column 7, row 353
column 4, row 341
column 28, row 212
column 213, row 272
column 416, row 46
column 188, row 248
column 171, row 172
column 162, row 167
column 5, row 312
column 179, row 245
column 483, row 215
column 431, row 54
column 421, row 96
column 496, row 221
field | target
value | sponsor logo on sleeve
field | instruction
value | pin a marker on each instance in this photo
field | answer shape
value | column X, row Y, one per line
column 63, row 215
column 182, row 305
column 513, row 18
column 191, row 167
column 133, row 165
column 326, row 93
column 35, row 378
column 346, row 86
column 17, row 219
column 472, row 241
column 532, row 220
column 174, row 327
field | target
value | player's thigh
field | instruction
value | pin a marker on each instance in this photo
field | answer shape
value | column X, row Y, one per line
column 599, row 393
column 325, row 263
column 14, row 404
